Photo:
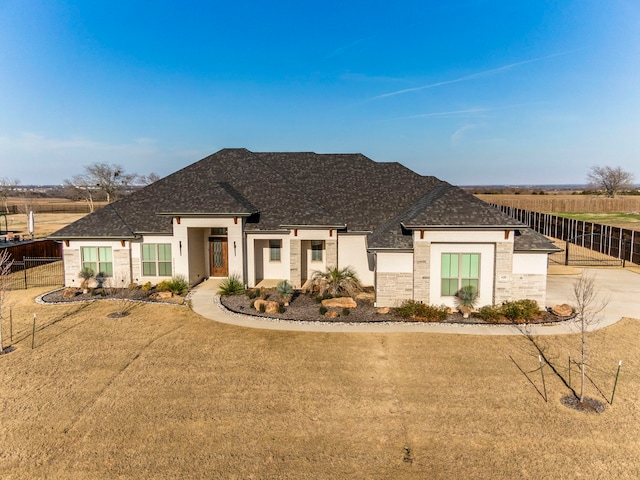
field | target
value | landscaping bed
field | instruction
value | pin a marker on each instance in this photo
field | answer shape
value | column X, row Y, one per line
column 303, row 307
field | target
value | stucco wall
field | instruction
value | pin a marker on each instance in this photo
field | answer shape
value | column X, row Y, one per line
column 352, row 252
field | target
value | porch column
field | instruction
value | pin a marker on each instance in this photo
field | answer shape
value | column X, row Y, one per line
column 332, row 253
column 503, row 268
column 295, row 264
column 422, row 271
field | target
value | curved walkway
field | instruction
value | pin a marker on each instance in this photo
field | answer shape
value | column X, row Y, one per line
column 620, row 286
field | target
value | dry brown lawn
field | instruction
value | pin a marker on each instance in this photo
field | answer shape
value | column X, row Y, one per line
column 164, row 393
column 45, row 223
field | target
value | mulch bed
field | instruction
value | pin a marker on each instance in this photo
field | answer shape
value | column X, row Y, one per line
column 305, row 308
column 589, row 405
column 135, row 294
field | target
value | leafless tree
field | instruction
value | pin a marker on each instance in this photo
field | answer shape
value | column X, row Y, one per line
column 611, row 180
column 149, row 179
column 5, row 271
column 7, row 188
column 589, row 306
column 81, row 186
column 107, row 178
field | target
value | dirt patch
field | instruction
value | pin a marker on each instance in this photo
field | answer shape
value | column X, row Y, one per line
column 589, row 405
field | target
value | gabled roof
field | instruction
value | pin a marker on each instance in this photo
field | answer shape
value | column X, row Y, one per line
column 287, row 189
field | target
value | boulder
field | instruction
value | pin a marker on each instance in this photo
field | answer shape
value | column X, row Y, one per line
column 383, row 310
column 563, row 310
column 270, row 306
column 160, row 295
column 331, row 314
column 340, row 302
column 366, row 297
column 70, row 292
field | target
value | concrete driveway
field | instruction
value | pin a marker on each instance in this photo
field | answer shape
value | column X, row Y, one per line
column 621, row 286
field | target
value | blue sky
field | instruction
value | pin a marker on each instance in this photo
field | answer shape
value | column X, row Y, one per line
column 473, row 92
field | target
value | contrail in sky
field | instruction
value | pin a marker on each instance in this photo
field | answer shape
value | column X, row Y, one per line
column 469, row 77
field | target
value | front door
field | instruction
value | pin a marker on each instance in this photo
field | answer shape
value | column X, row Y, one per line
column 218, row 257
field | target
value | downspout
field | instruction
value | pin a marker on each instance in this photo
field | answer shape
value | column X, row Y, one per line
column 375, row 279
column 245, row 260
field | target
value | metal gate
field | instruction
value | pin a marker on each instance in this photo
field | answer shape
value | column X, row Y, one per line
column 594, row 249
column 36, row 272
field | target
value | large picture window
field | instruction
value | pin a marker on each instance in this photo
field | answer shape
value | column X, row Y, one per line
column 275, row 246
column 99, row 260
column 317, row 246
column 156, row 259
column 459, row 270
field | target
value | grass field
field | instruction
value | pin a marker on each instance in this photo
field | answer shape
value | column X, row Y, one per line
column 45, row 223
column 164, row 393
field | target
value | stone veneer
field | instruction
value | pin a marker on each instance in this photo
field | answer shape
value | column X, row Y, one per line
column 421, row 271
column 392, row 288
column 332, row 252
column 503, row 287
column 530, row 286
column 295, row 266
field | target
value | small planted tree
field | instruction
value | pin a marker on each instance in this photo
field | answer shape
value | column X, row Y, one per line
column 285, row 291
column 588, row 309
column 86, row 274
column 466, row 299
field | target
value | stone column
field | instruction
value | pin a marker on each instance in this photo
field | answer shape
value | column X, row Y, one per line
column 295, row 265
column 421, row 271
column 503, row 272
column 332, row 252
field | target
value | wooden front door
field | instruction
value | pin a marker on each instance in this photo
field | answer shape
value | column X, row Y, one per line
column 218, row 256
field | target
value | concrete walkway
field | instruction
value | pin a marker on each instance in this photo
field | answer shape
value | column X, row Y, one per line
column 620, row 286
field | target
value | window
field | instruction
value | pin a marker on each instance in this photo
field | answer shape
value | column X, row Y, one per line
column 156, row 259
column 99, row 260
column 316, row 250
column 459, row 270
column 274, row 250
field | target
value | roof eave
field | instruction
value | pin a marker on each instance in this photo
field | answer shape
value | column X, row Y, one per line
column 462, row 227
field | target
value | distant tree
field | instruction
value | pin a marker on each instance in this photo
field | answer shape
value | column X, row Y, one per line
column 611, row 180
column 149, row 179
column 106, row 178
column 7, row 188
column 81, row 186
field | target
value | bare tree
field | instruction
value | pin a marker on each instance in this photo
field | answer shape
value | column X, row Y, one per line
column 149, row 179
column 107, row 178
column 589, row 306
column 5, row 270
column 81, row 186
column 611, row 180
column 7, row 188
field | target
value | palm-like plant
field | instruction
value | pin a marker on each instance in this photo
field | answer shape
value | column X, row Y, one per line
column 466, row 299
column 285, row 291
column 335, row 282
column 85, row 274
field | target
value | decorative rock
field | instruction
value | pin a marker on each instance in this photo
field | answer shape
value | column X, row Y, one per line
column 383, row 311
column 563, row 310
column 366, row 296
column 341, row 302
column 70, row 292
column 160, row 295
column 270, row 307
column 331, row 314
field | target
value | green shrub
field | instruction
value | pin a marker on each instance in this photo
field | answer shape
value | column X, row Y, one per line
column 163, row 286
column 467, row 296
column 285, row 291
column 323, row 310
column 319, row 299
column 146, row 287
column 232, row 285
column 520, row 309
column 490, row 313
column 253, row 293
column 281, row 309
column 263, row 308
column 345, row 312
column 430, row 313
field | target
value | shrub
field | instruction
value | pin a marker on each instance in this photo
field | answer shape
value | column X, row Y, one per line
column 263, row 308
column 319, row 299
column 345, row 312
column 520, row 309
column 335, row 282
column 232, row 285
column 413, row 309
column 490, row 313
column 253, row 293
column 285, row 291
column 323, row 310
column 146, row 287
column 281, row 309
column 163, row 286
column 467, row 296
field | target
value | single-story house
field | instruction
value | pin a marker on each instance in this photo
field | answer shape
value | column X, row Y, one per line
column 266, row 216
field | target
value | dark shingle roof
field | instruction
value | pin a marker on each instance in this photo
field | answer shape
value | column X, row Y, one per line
column 296, row 189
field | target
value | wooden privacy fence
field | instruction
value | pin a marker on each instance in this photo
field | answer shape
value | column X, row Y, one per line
column 32, row 248
column 620, row 243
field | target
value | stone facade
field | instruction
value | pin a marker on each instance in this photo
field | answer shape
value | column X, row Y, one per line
column 332, row 253
column 72, row 266
column 393, row 288
column 533, row 287
column 421, row 271
column 295, row 264
column 503, row 286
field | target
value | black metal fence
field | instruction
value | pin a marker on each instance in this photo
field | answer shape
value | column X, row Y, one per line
column 36, row 272
column 604, row 240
